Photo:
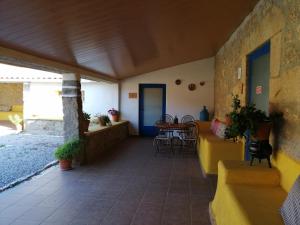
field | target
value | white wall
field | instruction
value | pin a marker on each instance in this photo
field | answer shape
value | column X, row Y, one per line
column 100, row 97
column 180, row 101
column 43, row 100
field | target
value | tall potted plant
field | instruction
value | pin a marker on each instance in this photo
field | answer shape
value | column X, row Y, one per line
column 66, row 152
column 247, row 118
column 114, row 114
column 86, row 121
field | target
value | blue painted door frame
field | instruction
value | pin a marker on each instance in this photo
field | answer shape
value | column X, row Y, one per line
column 149, row 130
column 260, row 51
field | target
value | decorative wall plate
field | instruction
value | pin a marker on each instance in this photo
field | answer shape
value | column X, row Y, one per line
column 202, row 83
column 192, row 87
column 178, row 82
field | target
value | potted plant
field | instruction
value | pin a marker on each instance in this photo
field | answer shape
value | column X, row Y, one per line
column 66, row 152
column 86, row 121
column 114, row 114
column 247, row 118
column 104, row 120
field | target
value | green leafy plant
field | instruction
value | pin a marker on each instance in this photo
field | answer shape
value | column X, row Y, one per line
column 68, row 150
column 105, row 119
column 86, row 116
column 244, row 118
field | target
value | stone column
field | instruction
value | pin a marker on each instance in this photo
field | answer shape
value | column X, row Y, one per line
column 72, row 106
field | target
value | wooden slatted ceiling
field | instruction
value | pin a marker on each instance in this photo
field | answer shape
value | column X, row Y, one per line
column 120, row 38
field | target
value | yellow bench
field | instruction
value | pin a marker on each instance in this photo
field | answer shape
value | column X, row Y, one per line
column 253, row 195
column 15, row 110
column 211, row 149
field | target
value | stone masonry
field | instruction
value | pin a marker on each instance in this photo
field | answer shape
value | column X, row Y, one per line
column 279, row 22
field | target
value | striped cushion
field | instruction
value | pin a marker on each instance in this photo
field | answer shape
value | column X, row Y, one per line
column 290, row 210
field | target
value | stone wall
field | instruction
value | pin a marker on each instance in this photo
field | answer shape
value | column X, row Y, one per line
column 278, row 21
column 97, row 142
column 11, row 94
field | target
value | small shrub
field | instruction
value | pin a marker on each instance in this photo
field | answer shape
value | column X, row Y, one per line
column 86, row 116
column 68, row 150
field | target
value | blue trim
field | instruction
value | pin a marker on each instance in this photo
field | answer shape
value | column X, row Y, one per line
column 149, row 130
column 260, row 51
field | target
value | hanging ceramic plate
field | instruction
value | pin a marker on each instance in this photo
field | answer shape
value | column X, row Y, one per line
column 178, row 82
column 192, row 87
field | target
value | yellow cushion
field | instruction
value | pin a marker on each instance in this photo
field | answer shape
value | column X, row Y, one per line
column 250, row 205
column 17, row 108
column 289, row 169
column 247, row 195
column 253, row 195
column 240, row 172
column 5, row 115
column 215, row 149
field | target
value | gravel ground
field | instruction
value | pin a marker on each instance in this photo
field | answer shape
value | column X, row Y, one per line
column 23, row 154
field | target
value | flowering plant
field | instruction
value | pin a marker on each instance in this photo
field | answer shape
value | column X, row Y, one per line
column 113, row 112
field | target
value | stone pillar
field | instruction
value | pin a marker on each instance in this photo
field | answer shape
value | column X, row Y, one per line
column 72, row 106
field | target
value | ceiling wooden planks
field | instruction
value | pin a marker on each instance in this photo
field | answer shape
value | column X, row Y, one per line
column 120, row 38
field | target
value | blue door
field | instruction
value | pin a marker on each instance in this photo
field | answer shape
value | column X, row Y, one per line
column 152, row 105
column 258, row 81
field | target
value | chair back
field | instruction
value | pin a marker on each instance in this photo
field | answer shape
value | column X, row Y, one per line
column 187, row 119
column 166, row 118
column 192, row 132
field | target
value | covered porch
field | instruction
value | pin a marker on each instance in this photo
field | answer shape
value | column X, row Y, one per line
column 129, row 185
column 234, row 57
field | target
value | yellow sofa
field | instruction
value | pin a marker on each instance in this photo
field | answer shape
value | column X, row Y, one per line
column 211, row 149
column 15, row 110
column 253, row 195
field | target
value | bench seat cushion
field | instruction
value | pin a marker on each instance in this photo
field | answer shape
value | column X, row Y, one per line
column 251, row 205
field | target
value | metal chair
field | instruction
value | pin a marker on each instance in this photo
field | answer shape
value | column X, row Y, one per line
column 163, row 140
column 189, row 138
column 187, row 119
column 166, row 118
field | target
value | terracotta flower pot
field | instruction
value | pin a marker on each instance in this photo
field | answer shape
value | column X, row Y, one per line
column 115, row 118
column 85, row 125
column 65, row 164
column 263, row 131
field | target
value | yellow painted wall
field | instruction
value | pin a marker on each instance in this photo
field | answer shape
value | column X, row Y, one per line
column 278, row 21
column 11, row 94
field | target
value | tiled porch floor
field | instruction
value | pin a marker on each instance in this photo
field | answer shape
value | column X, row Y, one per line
column 130, row 186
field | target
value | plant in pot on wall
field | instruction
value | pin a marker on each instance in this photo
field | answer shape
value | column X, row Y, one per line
column 115, row 114
column 248, row 118
column 104, row 120
column 66, row 152
column 249, row 121
column 86, row 121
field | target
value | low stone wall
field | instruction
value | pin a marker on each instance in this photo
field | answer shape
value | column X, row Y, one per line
column 44, row 126
column 99, row 141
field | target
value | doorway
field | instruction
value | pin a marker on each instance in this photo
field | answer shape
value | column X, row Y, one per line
column 152, row 105
column 258, row 63
column 259, row 74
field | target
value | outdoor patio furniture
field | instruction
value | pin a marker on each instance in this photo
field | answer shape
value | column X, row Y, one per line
column 167, row 137
column 187, row 119
column 189, row 138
